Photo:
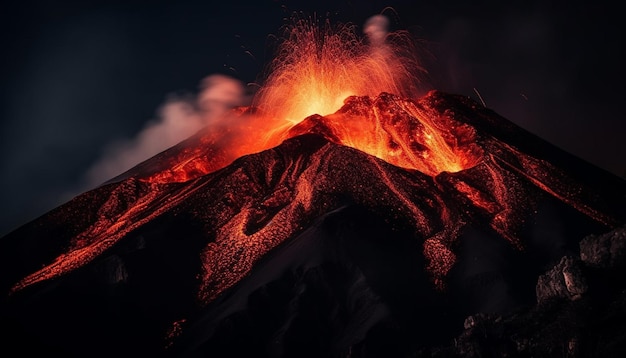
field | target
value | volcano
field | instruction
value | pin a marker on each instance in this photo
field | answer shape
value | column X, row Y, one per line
column 392, row 227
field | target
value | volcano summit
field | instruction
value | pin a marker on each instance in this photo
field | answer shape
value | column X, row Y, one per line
column 373, row 231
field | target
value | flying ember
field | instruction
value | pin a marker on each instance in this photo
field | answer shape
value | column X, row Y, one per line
column 319, row 64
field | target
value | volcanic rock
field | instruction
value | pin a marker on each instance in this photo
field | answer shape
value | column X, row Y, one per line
column 563, row 281
column 373, row 231
column 606, row 251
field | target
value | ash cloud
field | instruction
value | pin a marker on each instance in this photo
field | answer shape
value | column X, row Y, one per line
column 177, row 119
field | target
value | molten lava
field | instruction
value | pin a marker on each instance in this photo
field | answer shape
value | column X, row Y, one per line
column 402, row 132
column 340, row 167
column 319, row 68
column 434, row 163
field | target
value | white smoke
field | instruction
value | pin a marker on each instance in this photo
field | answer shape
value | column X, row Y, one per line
column 376, row 28
column 177, row 119
column 220, row 94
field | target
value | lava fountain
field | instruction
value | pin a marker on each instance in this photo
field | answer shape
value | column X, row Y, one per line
column 319, row 64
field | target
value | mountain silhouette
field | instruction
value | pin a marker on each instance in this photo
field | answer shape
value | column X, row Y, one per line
column 392, row 227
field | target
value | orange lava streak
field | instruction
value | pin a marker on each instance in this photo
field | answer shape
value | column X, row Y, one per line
column 402, row 132
column 445, row 157
column 216, row 147
column 105, row 233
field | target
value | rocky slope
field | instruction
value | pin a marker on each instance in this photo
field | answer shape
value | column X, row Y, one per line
column 374, row 231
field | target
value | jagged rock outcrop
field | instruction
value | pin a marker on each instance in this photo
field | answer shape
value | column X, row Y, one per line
column 580, row 310
column 606, row 251
column 565, row 280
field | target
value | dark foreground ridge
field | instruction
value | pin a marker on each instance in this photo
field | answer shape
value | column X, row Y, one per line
column 315, row 248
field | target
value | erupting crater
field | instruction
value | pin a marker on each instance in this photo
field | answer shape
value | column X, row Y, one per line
column 178, row 235
column 403, row 132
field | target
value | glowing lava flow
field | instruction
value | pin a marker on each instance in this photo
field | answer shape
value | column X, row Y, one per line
column 402, row 132
column 327, row 81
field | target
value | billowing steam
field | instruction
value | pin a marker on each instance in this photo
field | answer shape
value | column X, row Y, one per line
column 376, row 28
column 178, row 118
column 219, row 94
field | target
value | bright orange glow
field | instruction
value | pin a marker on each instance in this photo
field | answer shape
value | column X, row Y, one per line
column 241, row 134
column 326, row 80
column 402, row 132
column 318, row 69
column 318, row 65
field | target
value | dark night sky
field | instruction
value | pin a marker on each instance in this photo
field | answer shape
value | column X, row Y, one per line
column 79, row 75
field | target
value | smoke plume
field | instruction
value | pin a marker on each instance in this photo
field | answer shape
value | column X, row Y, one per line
column 177, row 119
column 376, row 29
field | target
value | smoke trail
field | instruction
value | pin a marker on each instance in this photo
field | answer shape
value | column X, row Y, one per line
column 177, row 119
column 220, row 94
column 376, row 29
